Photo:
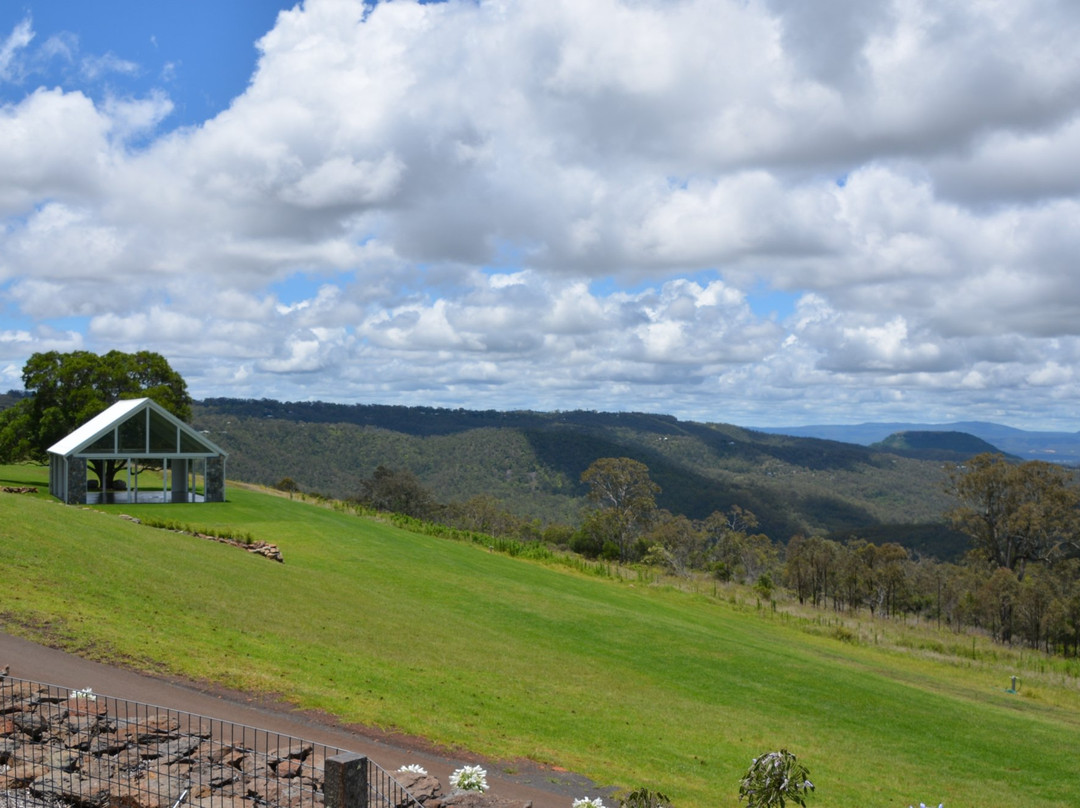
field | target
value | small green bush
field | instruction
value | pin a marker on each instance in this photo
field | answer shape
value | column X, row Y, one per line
column 644, row 798
column 773, row 779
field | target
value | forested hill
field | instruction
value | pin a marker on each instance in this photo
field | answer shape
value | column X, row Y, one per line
column 1055, row 447
column 933, row 445
column 531, row 462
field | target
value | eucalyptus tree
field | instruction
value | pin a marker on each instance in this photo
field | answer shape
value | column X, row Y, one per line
column 676, row 542
column 396, row 491
column 624, row 499
column 1016, row 513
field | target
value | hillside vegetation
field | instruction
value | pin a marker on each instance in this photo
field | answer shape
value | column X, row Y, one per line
column 931, row 445
column 532, row 462
column 623, row 679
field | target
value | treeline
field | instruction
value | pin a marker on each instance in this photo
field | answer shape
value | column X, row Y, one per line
column 1040, row 609
column 423, row 420
column 1019, row 582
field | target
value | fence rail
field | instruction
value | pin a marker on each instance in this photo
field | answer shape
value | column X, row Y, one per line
column 63, row 747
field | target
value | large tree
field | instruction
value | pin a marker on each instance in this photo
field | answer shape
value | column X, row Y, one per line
column 625, row 498
column 68, row 389
column 1016, row 512
column 396, row 491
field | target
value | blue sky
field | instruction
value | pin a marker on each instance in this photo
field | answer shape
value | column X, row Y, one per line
column 201, row 52
column 601, row 204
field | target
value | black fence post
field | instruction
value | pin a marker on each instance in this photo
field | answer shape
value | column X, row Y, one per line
column 345, row 781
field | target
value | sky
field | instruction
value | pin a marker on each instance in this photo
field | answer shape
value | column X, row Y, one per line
column 759, row 212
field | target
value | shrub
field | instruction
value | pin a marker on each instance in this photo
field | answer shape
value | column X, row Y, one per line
column 644, row 798
column 773, row 779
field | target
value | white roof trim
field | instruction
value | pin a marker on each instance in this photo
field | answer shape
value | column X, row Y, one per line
column 108, row 419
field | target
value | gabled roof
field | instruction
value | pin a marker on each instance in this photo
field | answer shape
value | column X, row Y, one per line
column 159, row 434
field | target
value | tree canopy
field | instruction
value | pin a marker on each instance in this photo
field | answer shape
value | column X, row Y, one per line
column 625, row 498
column 396, row 491
column 68, row 389
column 1016, row 512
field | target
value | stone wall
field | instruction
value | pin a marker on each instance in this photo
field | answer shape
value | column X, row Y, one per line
column 76, row 481
column 90, row 752
column 215, row 479
column 72, row 749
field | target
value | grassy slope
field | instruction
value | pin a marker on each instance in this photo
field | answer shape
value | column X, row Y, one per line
column 628, row 684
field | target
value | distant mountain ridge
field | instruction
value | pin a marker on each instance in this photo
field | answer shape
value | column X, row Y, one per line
column 531, row 463
column 1054, row 447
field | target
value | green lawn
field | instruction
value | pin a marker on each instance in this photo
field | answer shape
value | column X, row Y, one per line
column 626, row 683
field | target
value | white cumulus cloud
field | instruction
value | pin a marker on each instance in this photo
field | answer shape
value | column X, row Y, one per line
column 577, row 203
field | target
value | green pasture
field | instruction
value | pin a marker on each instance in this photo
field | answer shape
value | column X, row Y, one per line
column 628, row 683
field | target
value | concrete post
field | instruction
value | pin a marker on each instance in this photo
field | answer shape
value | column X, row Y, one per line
column 345, row 781
column 179, row 470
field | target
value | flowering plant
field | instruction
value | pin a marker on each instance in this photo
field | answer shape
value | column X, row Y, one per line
column 773, row 779
column 413, row 768
column 644, row 798
column 85, row 693
column 589, row 802
column 469, row 778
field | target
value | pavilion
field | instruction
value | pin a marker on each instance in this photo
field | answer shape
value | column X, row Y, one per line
column 138, row 431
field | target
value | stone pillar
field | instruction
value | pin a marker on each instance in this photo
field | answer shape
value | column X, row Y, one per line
column 215, row 479
column 179, row 469
column 345, row 781
column 76, row 481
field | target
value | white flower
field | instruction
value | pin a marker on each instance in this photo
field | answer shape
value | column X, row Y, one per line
column 85, row 693
column 589, row 802
column 469, row 778
column 414, row 768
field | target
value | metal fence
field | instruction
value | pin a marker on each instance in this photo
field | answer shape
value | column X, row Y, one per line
column 63, row 747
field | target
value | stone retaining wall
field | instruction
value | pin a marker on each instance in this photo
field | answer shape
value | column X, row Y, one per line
column 73, row 748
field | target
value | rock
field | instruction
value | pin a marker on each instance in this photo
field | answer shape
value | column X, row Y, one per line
column 58, row 785
column 142, row 794
column 422, row 787
column 80, row 706
column 216, row 801
column 296, row 750
column 474, row 799
column 22, row 799
column 31, row 724
column 179, row 749
column 270, row 551
column 26, row 772
column 288, row 768
column 229, row 756
column 63, row 759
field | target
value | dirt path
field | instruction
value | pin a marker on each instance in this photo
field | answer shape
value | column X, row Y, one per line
column 546, row 788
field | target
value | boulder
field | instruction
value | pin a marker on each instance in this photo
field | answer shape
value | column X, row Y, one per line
column 423, row 787
column 474, row 799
